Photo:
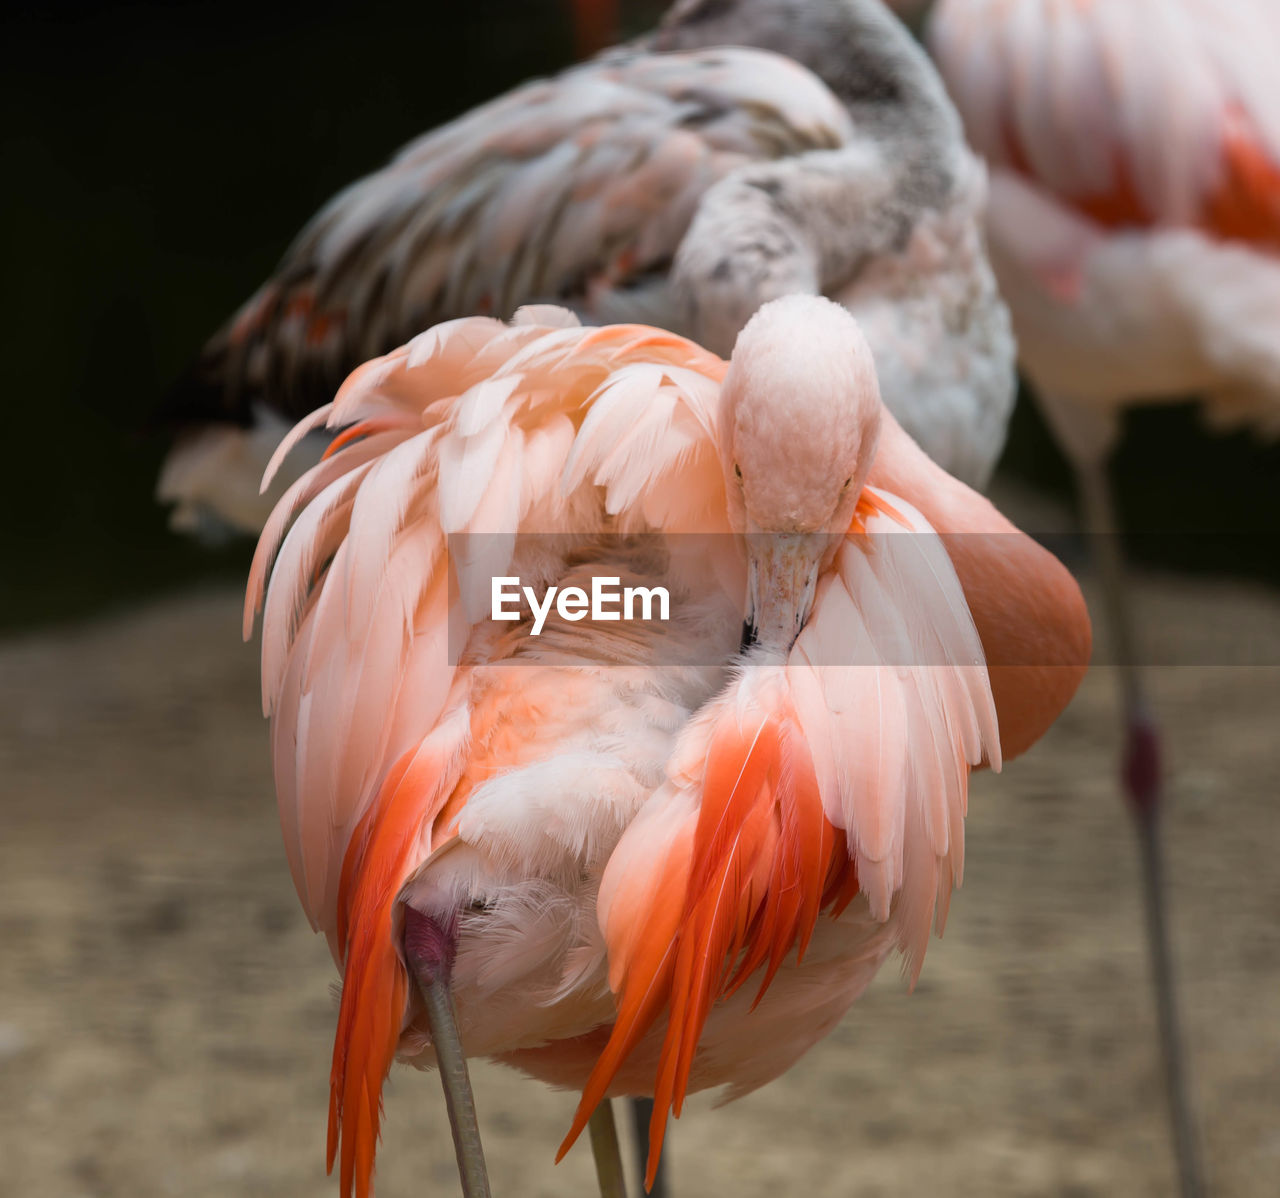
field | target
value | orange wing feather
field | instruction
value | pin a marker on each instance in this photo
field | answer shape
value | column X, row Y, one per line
column 1245, row 206
column 744, row 888
column 375, row 983
column 737, row 894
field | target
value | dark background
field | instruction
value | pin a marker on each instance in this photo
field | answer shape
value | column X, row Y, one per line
column 158, row 160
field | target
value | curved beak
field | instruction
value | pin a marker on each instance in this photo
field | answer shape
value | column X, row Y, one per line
column 782, row 578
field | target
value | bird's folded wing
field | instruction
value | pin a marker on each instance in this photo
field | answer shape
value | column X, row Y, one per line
column 475, row 427
column 1139, row 113
column 844, row 772
column 562, row 190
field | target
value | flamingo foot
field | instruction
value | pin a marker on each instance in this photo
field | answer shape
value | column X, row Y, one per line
column 429, row 949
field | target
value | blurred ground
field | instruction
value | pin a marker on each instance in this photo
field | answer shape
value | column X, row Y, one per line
column 165, row 1014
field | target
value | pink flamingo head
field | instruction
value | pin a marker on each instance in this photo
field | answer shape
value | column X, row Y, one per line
column 803, row 412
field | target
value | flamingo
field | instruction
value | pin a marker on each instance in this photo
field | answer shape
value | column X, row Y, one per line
column 684, row 187
column 745, row 150
column 1135, row 230
column 591, row 840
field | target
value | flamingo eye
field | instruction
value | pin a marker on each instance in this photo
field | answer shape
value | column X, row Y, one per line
column 847, row 483
column 738, row 471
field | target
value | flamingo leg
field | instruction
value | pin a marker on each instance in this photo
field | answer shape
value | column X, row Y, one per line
column 641, row 1113
column 429, row 950
column 1142, row 781
column 604, row 1147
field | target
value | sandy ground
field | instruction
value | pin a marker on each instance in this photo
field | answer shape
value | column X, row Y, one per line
column 165, row 1013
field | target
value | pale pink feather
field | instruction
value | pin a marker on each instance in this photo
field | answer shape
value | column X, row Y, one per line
column 1092, row 98
column 344, row 611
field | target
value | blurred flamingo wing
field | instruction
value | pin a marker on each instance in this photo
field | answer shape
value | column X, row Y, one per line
column 567, row 189
column 1137, row 112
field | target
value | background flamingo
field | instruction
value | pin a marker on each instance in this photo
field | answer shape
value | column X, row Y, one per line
column 1135, row 224
column 683, row 189
column 482, row 808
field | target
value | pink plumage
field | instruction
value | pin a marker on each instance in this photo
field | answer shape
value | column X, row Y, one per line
column 504, row 800
column 1135, row 200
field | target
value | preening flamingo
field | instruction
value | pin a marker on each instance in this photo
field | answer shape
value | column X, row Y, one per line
column 1135, row 230
column 673, row 181
column 638, row 860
